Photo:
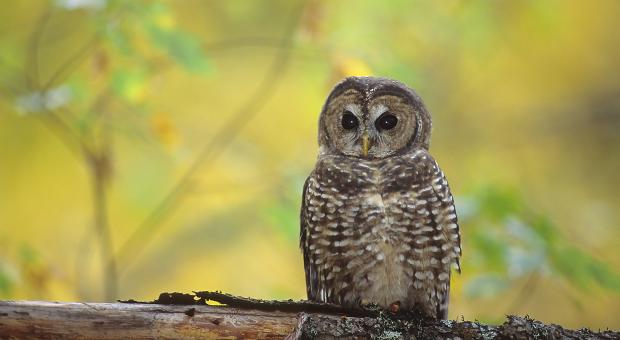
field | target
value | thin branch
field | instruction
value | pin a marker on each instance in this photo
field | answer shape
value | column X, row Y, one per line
column 138, row 240
column 57, row 126
column 73, row 62
column 272, row 305
column 83, row 251
column 66, row 134
column 64, row 131
column 49, row 118
column 224, row 45
column 525, row 292
column 100, row 175
column 216, row 298
column 98, row 159
column 35, row 42
column 18, row 69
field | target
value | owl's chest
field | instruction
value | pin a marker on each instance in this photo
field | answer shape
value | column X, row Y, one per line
column 365, row 198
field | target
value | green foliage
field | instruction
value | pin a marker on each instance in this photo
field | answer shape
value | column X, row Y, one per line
column 509, row 240
column 6, row 282
column 486, row 286
column 11, row 272
column 129, row 84
column 158, row 23
column 501, row 96
column 184, row 48
column 282, row 211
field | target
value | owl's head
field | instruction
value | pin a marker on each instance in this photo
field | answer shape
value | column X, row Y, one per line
column 373, row 118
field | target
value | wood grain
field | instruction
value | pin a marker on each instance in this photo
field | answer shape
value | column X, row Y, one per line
column 50, row 320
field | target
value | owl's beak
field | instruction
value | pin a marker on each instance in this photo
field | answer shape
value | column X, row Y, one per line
column 365, row 144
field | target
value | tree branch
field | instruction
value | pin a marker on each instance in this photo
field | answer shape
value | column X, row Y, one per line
column 33, row 50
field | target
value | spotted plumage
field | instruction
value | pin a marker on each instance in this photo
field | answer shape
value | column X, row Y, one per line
column 378, row 223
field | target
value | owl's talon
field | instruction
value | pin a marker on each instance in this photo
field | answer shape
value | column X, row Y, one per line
column 395, row 307
column 368, row 306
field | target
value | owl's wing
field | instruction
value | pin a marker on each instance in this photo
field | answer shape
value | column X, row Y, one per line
column 443, row 214
column 440, row 215
column 312, row 278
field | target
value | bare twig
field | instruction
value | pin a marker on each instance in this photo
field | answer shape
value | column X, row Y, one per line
column 35, row 42
column 75, row 60
column 100, row 172
column 72, row 62
column 278, row 305
column 50, row 119
column 525, row 292
column 224, row 299
column 55, row 123
column 138, row 240
column 224, row 45
column 67, row 135
column 81, row 259
column 98, row 158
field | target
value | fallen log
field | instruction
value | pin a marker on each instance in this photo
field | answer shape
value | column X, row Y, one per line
column 187, row 316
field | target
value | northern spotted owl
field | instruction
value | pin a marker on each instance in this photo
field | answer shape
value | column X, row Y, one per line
column 378, row 223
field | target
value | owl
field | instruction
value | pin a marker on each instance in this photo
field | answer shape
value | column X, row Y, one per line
column 378, row 223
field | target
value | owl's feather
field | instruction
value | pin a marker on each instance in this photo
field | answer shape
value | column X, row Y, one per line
column 380, row 231
column 378, row 223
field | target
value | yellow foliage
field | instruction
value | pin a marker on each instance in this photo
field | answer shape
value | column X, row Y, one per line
column 522, row 93
column 346, row 66
column 164, row 130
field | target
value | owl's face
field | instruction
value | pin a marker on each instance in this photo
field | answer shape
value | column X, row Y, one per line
column 373, row 118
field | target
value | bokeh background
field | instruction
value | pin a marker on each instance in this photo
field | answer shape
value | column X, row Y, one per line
column 150, row 146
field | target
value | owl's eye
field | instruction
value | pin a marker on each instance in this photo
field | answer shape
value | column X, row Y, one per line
column 349, row 121
column 386, row 121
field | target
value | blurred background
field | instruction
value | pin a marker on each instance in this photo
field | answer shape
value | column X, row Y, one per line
column 150, row 146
